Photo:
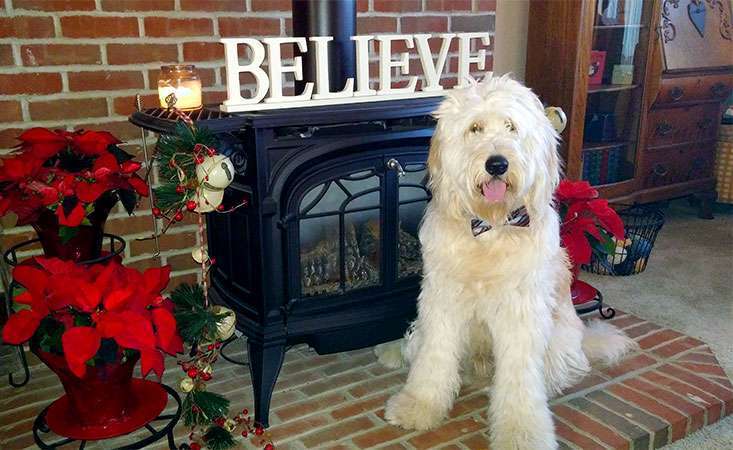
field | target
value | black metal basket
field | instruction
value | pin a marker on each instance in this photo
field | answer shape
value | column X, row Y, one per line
column 642, row 224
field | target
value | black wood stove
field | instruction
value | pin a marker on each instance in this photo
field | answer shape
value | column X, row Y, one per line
column 327, row 252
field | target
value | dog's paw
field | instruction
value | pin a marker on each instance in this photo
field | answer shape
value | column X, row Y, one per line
column 411, row 413
column 389, row 354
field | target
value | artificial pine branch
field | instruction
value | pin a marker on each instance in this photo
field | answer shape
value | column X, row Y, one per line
column 196, row 323
column 217, row 438
column 202, row 407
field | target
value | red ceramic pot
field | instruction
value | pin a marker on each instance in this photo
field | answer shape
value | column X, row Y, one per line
column 102, row 398
column 86, row 244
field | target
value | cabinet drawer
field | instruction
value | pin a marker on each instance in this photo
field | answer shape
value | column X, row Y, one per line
column 684, row 124
column 678, row 164
column 695, row 88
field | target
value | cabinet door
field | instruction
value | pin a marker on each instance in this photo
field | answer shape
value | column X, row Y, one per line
column 696, row 34
column 335, row 236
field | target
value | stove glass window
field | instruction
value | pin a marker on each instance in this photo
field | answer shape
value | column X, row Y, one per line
column 413, row 197
column 340, row 234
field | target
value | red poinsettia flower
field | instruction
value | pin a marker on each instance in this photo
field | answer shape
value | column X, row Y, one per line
column 569, row 191
column 73, row 217
column 94, row 143
column 19, row 168
column 42, row 143
column 119, row 304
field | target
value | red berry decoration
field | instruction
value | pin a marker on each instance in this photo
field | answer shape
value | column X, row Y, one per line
column 269, row 447
column 179, row 216
column 219, row 421
column 210, row 347
column 180, row 189
column 199, row 159
column 195, row 446
column 190, row 205
column 157, row 212
column 245, row 411
column 244, row 433
column 211, row 152
column 259, row 431
column 206, row 376
column 220, row 208
column 193, row 372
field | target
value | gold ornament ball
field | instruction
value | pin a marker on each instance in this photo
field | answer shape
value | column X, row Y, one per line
column 187, row 384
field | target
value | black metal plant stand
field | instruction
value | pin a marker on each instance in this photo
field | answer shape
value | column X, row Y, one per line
column 169, row 419
column 596, row 304
column 116, row 247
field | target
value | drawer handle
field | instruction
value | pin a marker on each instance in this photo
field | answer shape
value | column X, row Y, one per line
column 676, row 93
column 664, row 128
column 660, row 170
column 718, row 89
column 704, row 124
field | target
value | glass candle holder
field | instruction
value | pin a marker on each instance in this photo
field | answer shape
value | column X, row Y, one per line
column 180, row 86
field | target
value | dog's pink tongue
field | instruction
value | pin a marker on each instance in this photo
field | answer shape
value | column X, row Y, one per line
column 494, row 190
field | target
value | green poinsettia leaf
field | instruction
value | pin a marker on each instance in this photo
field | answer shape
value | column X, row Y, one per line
column 67, row 233
column 119, row 154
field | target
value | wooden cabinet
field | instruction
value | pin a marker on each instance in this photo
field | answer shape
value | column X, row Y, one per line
column 643, row 84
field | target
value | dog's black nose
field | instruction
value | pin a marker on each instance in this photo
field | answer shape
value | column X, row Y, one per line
column 497, row 165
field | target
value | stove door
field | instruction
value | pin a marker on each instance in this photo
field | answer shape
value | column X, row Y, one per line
column 338, row 227
column 412, row 198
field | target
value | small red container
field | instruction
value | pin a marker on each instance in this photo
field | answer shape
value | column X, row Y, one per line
column 105, row 403
column 597, row 66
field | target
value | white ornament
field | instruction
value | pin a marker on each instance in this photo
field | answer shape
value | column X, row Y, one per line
column 225, row 327
column 199, row 255
column 557, row 118
column 187, row 384
column 215, row 172
column 208, row 200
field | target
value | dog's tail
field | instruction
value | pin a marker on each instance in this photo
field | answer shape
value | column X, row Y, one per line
column 605, row 344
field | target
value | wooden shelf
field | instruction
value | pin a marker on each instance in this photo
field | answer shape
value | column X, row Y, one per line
column 610, row 88
column 617, row 27
column 602, row 145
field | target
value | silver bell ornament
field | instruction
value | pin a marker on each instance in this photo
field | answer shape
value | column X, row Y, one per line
column 225, row 327
column 199, row 254
column 215, row 172
column 557, row 118
column 187, row 384
column 207, row 200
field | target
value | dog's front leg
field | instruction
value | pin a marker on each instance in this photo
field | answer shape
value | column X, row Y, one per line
column 433, row 381
column 519, row 415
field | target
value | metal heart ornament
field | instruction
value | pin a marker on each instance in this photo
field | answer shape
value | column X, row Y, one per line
column 215, row 172
column 696, row 10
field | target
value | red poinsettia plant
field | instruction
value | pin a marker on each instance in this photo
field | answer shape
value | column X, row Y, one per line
column 588, row 224
column 66, row 172
column 95, row 314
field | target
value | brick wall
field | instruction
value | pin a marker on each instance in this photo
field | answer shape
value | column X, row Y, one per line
column 78, row 64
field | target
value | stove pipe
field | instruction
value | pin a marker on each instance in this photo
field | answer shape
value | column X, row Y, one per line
column 335, row 18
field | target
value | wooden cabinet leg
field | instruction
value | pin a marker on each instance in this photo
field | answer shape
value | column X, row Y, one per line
column 705, row 202
column 265, row 361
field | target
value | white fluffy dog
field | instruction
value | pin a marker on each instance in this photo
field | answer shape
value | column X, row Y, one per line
column 496, row 281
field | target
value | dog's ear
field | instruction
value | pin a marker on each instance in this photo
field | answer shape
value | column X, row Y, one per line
column 548, row 176
column 434, row 162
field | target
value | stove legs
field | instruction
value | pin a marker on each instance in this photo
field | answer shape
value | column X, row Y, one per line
column 265, row 360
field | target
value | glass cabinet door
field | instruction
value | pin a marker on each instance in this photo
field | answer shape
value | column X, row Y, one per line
column 340, row 234
column 621, row 35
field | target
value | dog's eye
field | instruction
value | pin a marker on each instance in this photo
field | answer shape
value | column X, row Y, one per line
column 510, row 125
column 476, row 127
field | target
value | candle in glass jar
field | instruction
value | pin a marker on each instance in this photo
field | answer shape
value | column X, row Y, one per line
column 183, row 82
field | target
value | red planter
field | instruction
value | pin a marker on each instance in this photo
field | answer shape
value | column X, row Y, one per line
column 86, row 244
column 580, row 291
column 106, row 402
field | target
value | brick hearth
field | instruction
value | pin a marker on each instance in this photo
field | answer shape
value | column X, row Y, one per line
column 671, row 388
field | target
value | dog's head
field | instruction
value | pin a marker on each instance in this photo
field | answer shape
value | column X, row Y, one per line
column 493, row 151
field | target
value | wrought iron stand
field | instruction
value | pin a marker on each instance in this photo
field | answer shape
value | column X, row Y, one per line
column 40, row 429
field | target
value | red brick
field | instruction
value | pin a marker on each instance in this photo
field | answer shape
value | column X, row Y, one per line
column 309, row 406
column 30, row 83
column 485, row 5
column 189, row 278
column 141, row 53
column 26, row 27
column 397, row 6
column 694, row 411
column 568, row 434
column 335, row 432
column 202, row 51
column 711, row 404
column 10, row 111
column 105, row 80
column 123, row 130
column 724, row 394
column 359, row 407
column 6, row 55
column 629, row 365
column 701, row 358
column 214, row 5
column 59, row 54
column 446, row 432
column 124, row 106
column 677, row 421
column 658, row 338
column 583, row 422
column 55, row 5
column 68, row 109
column 163, row 27
column 376, row 24
column 706, row 369
column 167, row 241
column 130, row 225
column 378, row 436
column 424, row 24
column 374, row 385
column 98, row 26
column 626, row 321
column 641, row 329
column 298, row 427
column 272, row 5
column 248, row 26
column 448, row 5
column 8, row 137
column 592, row 379
column 478, row 441
column 138, row 5
column 678, row 346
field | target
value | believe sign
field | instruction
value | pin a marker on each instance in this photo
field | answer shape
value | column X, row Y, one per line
column 269, row 85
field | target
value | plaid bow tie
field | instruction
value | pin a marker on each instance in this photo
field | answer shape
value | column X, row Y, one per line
column 518, row 218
